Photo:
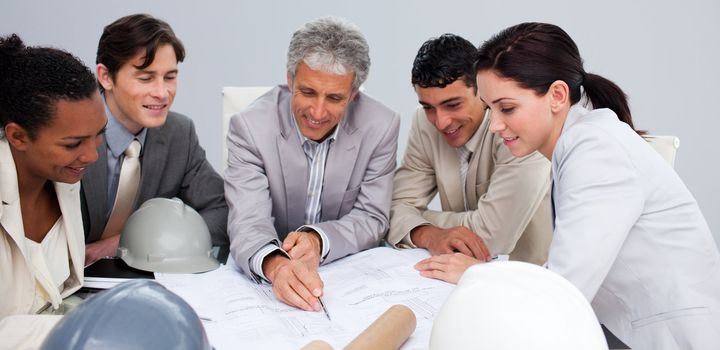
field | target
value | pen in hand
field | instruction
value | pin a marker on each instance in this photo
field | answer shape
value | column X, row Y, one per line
column 324, row 309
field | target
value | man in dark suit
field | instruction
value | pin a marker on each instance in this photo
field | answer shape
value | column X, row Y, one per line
column 137, row 68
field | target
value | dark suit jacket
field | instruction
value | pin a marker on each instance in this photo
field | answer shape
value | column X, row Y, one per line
column 173, row 165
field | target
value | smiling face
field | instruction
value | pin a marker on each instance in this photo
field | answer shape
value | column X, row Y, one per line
column 63, row 149
column 526, row 121
column 141, row 98
column 454, row 110
column 319, row 100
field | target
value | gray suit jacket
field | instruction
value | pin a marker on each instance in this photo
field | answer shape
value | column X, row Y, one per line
column 267, row 175
column 631, row 237
column 508, row 197
column 173, row 165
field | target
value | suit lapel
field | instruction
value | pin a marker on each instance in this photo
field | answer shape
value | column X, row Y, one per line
column 294, row 167
column 471, row 183
column 339, row 166
column 154, row 157
column 450, row 165
column 10, row 212
column 95, row 188
column 9, row 216
column 472, row 175
column 69, row 201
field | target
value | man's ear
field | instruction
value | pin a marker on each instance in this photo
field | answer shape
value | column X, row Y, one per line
column 289, row 81
column 103, row 76
column 17, row 136
column 559, row 93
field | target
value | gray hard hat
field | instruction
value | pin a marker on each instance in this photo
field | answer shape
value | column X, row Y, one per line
column 165, row 235
column 140, row 314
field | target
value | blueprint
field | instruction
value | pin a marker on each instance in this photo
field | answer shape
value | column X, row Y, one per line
column 238, row 313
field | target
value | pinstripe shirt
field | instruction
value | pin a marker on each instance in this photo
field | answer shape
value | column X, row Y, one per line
column 316, row 154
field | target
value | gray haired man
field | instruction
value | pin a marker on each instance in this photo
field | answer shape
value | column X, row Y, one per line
column 310, row 165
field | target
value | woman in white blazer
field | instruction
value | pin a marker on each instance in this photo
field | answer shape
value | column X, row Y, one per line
column 628, row 233
column 52, row 118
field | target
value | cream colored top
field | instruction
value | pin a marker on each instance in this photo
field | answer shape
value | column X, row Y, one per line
column 50, row 265
column 18, row 298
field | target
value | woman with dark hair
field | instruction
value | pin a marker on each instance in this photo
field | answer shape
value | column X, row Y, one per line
column 51, row 119
column 628, row 233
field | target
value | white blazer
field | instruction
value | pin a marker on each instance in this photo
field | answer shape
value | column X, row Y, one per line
column 17, row 283
column 631, row 237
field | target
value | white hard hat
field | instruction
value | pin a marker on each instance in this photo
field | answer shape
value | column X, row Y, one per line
column 516, row 305
column 165, row 235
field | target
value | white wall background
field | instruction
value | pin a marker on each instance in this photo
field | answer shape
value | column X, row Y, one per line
column 665, row 55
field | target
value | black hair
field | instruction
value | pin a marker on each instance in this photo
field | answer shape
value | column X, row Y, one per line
column 537, row 54
column 441, row 61
column 33, row 79
column 122, row 39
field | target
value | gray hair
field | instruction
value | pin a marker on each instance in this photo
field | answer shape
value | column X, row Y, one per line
column 333, row 45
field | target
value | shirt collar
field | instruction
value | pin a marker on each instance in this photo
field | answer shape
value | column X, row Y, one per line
column 118, row 138
column 304, row 140
column 474, row 141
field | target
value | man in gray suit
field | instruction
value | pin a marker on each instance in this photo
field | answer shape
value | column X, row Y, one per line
column 137, row 68
column 492, row 203
column 310, row 165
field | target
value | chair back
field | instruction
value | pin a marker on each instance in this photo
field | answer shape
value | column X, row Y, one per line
column 235, row 99
column 666, row 145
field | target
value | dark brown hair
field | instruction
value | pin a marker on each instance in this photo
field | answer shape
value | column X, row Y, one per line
column 122, row 39
column 537, row 54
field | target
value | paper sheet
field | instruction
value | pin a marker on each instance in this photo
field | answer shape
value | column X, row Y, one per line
column 238, row 313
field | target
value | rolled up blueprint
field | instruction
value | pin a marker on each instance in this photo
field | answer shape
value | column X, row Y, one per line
column 388, row 332
column 317, row 345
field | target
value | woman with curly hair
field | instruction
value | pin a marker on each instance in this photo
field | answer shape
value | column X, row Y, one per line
column 51, row 119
